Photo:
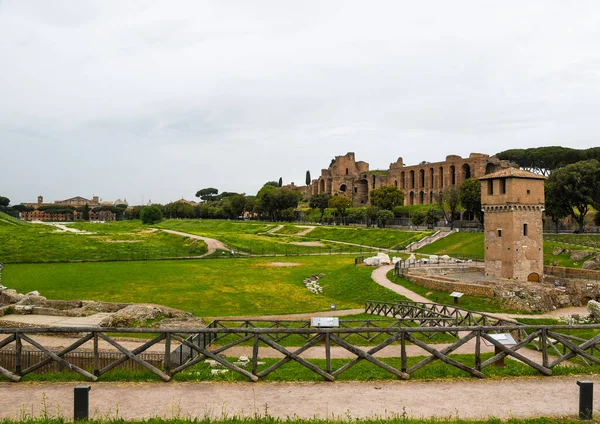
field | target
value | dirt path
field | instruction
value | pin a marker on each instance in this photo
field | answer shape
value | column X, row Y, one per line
column 466, row 399
column 212, row 244
column 274, row 229
column 307, row 229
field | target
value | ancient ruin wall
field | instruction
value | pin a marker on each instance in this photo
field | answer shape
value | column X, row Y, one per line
column 420, row 183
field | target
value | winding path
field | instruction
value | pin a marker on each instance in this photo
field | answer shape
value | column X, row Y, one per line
column 212, row 244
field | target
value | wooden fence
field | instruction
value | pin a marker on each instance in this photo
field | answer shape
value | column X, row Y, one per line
column 555, row 347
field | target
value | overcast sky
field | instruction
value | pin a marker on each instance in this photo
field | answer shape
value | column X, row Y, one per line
column 124, row 99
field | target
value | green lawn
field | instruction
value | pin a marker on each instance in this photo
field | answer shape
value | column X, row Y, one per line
column 388, row 238
column 362, row 371
column 471, row 245
column 125, row 240
column 467, row 245
column 208, row 288
column 250, row 237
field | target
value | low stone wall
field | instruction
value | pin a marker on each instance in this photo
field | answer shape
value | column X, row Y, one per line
column 563, row 272
column 450, row 286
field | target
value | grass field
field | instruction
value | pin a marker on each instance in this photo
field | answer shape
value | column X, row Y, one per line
column 208, row 288
column 471, row 245
column 124, row 240
column 251, row 237
column 387, row 238
column 468, row 245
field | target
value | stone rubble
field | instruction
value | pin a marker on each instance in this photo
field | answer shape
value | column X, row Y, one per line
column 312, row 283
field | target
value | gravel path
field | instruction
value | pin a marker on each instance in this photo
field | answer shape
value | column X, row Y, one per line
column 503, row 398
column 212, row 244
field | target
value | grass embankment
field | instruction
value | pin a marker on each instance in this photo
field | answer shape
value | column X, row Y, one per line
column 472, row 303
column 471, row 245
column 125, row 240
column 227, row 287
column 461, row 245
column 251, row 237
column 387, row 238
column 9, row 220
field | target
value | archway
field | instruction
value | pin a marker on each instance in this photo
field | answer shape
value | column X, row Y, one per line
column 490, row 168
column 361, row 192
column 402, row 184
column 343, row 188
column 412, row 179
column 534, row 277
column 412, row 197
column 452, row 175
column 421, row 198
column 466, row 171
column 321, row 186
column 422, row 178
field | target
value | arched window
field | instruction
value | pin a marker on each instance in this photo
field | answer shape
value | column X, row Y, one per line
column 452, row 174
column 412, row 179
column 466, row 171
column 343, row 188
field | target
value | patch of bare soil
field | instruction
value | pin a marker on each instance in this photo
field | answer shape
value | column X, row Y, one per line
column 122, row 241
column 148, row 231
column 277, row 264
column 309, row 243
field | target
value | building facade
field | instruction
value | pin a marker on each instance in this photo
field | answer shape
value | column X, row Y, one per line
column 421, row 183
column 513, row 202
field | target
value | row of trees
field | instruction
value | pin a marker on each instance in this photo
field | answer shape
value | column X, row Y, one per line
column 573, row 190
column 544, row 160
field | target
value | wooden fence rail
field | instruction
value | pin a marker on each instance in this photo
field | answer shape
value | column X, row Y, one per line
column 556, row 347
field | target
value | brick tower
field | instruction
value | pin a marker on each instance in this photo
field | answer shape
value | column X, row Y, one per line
column 513, row 203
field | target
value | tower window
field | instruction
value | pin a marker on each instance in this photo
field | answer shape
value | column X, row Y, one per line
column 490, row 187
column 346, row 171
column 528, row 191
column 525, row 229
column 503, row 186
column 500, row 233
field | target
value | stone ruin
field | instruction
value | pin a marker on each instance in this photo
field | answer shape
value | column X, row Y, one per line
column 119, row 314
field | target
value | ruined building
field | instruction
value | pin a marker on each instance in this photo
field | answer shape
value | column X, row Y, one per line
column 513, row 202
column 420, row 183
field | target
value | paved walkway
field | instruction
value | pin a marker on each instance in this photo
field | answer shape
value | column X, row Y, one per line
column 58, row 321
column 379, row 275
column 465, row 399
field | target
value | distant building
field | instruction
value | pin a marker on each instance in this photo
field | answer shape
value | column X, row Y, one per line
column 78, row 201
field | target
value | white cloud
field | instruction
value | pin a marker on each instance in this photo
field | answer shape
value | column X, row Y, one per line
column 123, row 98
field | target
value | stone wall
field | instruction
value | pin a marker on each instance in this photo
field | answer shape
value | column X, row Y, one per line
column 434, row 283
column 562, row 272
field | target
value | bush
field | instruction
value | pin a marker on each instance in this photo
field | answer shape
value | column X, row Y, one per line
column 151, row 214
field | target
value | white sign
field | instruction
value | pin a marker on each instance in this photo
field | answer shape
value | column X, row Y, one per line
column 457, row 294
column 323, row 322
column 505, row 339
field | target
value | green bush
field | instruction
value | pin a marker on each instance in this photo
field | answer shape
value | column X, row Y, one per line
column 151, row 215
